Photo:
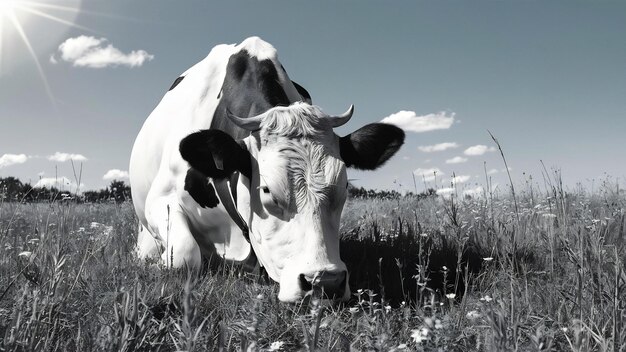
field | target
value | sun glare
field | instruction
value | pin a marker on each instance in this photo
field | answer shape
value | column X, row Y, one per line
column 9, row 10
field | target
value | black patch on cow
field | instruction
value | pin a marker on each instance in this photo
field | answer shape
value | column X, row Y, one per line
column 176, row 82
column 215, row 154
column 250, row 87
column 200, row 189
column 303, row 93
column 371, row 145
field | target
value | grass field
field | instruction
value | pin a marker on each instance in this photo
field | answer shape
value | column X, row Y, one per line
column 541, row 271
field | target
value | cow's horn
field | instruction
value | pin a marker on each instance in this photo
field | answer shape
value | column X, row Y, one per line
column 340, row 120
column 252, row 123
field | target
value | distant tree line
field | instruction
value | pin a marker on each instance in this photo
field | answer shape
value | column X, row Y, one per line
column 12, row 189
column 360, row 192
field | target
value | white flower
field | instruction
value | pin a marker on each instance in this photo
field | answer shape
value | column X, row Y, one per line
column 420, row 335
column 451, row 295
column 424, row 234
column 401, row 346
column 25, row 254
column 488, row 259
column 445, row 268
column 429, row 321
column 387, row 308
column 260, row 296
column 438, row 324
column 487, row 298
column 276, row 345
column 471, row 315
column 354, row 310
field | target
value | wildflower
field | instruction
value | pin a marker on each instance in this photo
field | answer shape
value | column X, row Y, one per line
column 429, row 322
column 451, row 295
column 445, row 268
column 486, row 298
column 488, row 259
column 401, row 346
column 276, row 346
column 564, row 330
column 424, row 234
column 419, row 335
column 403, row 303
column 25, row 254
column 438, row 324
column 471, row 315
column 354, row 310
column 260, row 296
column 387, row 308
column 359, row 290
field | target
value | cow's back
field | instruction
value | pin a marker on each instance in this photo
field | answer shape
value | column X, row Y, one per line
column 187, row 107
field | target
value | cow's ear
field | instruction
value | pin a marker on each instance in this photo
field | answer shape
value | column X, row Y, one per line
column 215, row 154
column 371, row 145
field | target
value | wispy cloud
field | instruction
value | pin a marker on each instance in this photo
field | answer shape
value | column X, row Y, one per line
column 445, row 191
column 478, row 150
column 411, row 122
column 63, row 157
column 461, row 179
column 428, row 174
column 437, row 147
column 88, row 51
column 456, row 160
column 115, row 174
column 12, row 159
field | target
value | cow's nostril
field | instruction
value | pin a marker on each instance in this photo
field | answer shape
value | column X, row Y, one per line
column 305, row 285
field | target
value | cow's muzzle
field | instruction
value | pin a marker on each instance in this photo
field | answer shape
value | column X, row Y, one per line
column 330, row 284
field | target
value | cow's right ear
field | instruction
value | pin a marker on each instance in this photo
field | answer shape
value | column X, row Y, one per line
column 215, row 154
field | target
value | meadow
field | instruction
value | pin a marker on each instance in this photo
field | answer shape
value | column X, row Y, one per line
column 539, row 270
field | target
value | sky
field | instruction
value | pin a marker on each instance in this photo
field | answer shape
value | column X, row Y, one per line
column 546, row 78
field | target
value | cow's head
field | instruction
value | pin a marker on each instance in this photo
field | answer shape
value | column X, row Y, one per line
column 293, row 186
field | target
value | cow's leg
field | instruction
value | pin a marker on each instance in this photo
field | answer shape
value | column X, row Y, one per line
column 147, row 245
column 181, row 249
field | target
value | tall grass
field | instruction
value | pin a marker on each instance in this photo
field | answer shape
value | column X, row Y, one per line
column 466, row 274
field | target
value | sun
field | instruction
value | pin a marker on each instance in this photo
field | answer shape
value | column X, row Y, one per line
column 7, row 6
column 49, row 10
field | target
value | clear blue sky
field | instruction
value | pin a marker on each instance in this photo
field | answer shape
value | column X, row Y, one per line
column 547, row 78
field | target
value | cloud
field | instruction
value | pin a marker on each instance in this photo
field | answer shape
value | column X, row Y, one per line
column 87, row 51
column 437, row 147
column 63, row 157
column 460, row 179
column 115, row 174
column 12, row 159
column 428, row 174
column 478, row 150
column 492, row 171
column 62, row 183
column 411, row 122
column 456, row 160
column 445, row 191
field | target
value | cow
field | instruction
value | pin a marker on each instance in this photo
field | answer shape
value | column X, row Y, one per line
column 236, row 162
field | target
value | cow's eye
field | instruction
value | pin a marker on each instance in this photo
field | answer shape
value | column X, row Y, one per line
column 265, row 190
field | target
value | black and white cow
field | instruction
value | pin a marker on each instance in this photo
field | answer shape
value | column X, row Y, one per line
column 236, row 162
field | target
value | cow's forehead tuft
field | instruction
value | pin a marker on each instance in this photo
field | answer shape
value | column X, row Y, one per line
column 299, row 120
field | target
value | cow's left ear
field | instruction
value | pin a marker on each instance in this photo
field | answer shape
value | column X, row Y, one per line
column 371, row 145
column 215, row 154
